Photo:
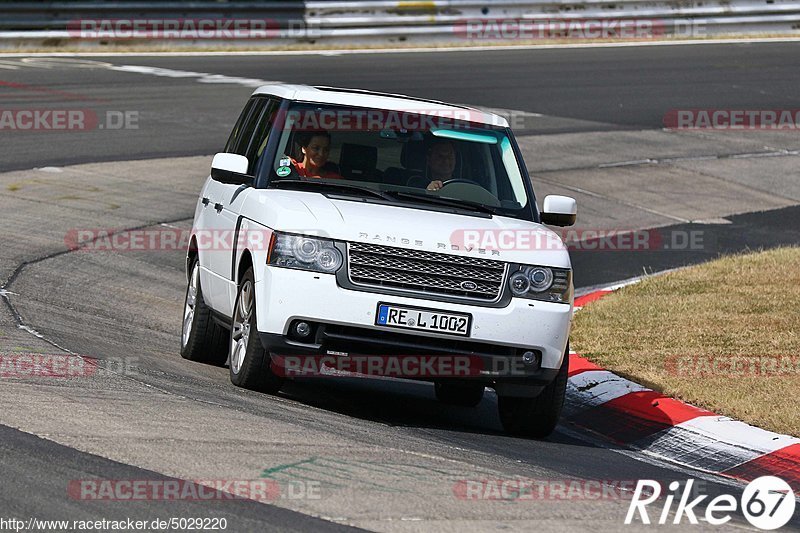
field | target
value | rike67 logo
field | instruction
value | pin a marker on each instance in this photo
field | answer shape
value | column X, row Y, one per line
column 767, row 503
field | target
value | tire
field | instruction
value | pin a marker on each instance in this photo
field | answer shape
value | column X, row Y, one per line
column 464, row 394
column 249, row 361
column 536, row 417
column 202, row 339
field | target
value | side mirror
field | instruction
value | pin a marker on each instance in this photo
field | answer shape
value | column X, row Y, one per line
column 231, row 169
column 559, row 210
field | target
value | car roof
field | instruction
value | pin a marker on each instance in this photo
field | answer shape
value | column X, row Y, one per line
column 377, row 100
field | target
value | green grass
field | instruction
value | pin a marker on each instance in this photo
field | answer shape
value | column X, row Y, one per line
column 668, row 333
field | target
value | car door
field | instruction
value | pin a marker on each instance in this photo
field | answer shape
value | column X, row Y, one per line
column 225, row 201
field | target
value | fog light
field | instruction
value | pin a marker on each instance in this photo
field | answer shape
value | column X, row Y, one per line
column 303, row 329
column 529, row 358
column 519, row 283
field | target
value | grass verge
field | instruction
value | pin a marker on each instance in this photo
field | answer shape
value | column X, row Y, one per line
column 724, row 335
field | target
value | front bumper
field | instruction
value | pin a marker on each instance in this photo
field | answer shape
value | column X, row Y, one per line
column 345, row 321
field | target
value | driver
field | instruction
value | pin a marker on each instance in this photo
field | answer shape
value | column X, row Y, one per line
column 441, row 162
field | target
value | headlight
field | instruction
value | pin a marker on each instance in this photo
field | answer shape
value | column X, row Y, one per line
column 304, row 253
column 541, row 283
column 541, row 278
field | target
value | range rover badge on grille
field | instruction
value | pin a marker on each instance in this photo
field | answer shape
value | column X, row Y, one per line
column 469, row 285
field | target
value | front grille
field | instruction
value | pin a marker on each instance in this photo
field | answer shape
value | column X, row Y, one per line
column 418, row 271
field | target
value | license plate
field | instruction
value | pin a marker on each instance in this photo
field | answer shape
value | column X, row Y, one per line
column 397, row 316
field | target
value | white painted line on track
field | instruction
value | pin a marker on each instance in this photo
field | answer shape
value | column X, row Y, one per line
column 38, row 335
column 201, row 77
column 627, row 163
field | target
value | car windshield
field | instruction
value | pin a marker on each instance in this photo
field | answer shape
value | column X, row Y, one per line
column 406, row 157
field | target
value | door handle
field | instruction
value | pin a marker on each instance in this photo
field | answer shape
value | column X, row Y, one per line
column 218, row 207
column 205, row 201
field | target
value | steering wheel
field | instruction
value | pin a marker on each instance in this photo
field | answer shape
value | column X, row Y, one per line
column 459, row 180
column 417, row 180
column 422, row 182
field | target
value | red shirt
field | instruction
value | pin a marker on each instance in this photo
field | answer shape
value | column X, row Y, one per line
column 324, row 173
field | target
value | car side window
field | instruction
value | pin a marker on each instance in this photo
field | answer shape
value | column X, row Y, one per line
column 240, row 139
column 260, row 134
column 236, row 134
column 249, row 126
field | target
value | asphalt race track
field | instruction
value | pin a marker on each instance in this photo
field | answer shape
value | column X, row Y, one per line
column 385, row 454
column 601, row 89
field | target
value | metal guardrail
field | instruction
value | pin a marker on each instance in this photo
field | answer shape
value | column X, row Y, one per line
column 445, row 17
column 376, row 21
column 56, row 15
column 345, row 14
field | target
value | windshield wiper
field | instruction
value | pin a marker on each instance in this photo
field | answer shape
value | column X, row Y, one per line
column 451, row 202
column 317, row 184
column 392, row 196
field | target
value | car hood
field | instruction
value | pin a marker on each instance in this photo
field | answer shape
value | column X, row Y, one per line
column 499, row 238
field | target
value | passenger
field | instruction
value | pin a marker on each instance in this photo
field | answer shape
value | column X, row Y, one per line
column 441, row 162
column 316, row 146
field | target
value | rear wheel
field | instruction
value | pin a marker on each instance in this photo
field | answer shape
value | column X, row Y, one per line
column 202, row 339
column 466, row 394
column 249, row 361
column 536, row 417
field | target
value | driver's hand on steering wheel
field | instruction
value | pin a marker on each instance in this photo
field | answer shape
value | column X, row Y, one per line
column 435, row 185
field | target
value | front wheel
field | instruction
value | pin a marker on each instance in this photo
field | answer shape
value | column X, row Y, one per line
column 249, row 361
column 536, row 417
column 202, row 339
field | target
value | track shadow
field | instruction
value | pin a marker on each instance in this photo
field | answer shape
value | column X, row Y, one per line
column 404, row 403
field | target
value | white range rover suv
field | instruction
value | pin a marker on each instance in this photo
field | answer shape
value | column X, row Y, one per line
column 341, row 226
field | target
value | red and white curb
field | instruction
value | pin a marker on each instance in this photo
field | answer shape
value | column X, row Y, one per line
column 630, row 414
